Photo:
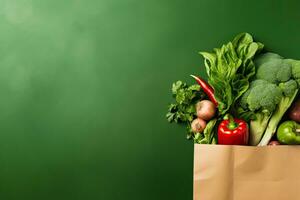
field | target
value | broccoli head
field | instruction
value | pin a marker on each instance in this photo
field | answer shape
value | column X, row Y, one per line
column 272, row 68
column 295, row 69
column 288, row 88
column 263, row 58
column 261, row 95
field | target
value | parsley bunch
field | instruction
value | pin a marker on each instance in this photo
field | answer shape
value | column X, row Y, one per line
column 183, row 111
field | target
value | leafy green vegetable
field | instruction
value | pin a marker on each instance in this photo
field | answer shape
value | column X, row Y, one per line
column 209, row 134
column 183, row 110
column 270, row 94
column 229, row 69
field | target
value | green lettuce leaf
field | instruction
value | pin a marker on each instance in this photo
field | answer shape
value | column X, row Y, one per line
column 230, row 68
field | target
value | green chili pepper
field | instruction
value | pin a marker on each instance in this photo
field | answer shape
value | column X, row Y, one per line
column 289, row 133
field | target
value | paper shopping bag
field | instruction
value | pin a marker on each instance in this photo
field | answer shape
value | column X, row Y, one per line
column 246, row 173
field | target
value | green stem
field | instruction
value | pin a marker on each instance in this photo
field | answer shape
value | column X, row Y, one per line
column 231, row 125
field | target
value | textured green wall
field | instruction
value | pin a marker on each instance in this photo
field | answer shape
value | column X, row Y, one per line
column 84, row 86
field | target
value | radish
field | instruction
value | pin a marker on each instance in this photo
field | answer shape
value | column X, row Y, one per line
column 198, row 125
column 205, row 109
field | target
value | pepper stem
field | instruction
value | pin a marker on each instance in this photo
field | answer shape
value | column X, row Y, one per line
column 231, row 125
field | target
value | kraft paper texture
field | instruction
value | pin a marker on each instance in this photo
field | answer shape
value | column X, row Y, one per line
column 246, row 173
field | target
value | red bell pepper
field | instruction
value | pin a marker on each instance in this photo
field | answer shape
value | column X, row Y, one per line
column 233, row 132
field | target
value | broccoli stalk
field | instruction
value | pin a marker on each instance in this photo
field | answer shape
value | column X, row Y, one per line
column 258, row 127
column 282, row 107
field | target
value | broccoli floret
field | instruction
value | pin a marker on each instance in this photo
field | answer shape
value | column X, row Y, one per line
column 288, row 88
column 296, row 72
column 262, row 95
column 273, row 68
column 266, row 57
column 295, row 69
column 243, row 101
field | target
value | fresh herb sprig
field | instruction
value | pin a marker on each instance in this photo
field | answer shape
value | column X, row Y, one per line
column 183, row 110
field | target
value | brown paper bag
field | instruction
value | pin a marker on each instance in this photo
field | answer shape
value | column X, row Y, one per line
column 246, row 173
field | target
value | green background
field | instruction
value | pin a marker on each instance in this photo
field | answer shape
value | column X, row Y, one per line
column 84, row 88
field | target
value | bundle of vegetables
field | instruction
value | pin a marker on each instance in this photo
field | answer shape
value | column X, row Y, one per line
column 271, row 93
column 187, row 107
column 248, row 88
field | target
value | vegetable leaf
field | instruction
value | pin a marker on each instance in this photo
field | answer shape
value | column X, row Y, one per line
column 230, row 68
